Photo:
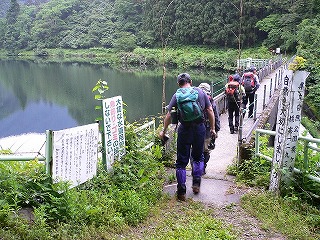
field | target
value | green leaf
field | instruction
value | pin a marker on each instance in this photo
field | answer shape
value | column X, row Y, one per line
column 97, row 96
column 95, row 88
column 140, row 173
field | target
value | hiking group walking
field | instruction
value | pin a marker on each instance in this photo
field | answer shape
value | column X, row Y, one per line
column 197, row 118
column 241, row 90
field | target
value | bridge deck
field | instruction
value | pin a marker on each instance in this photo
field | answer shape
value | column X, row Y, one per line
column 225, row 151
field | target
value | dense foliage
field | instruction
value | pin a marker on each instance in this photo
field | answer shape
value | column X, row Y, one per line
column 125, row 24
column 256, row 172
column 31, row 207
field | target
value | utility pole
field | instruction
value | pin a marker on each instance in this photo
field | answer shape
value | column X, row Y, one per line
column 164, row 46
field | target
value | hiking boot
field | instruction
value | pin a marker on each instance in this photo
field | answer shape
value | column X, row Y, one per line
column 196, row 181
column 181, row 192
column 231, row 131
column 195, row 189
column 181, row 197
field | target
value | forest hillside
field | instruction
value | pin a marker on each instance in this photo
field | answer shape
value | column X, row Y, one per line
column 124, row 25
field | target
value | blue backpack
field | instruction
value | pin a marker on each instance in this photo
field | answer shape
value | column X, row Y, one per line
column 188, row 105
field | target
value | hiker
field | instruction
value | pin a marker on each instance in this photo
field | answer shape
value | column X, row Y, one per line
column 209, row 142
column 250, row 82
column 234, row 92
column 191, row 103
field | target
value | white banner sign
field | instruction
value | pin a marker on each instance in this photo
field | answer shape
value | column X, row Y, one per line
column 114, row 135
column 75, row 154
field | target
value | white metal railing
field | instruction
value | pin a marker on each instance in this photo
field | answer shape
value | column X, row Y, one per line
column 147, row 126
column 306, row 146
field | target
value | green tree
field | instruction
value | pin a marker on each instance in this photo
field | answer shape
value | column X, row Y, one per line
column 3, row 30
column 11, row 37
column 4, row 6
column 13, row 12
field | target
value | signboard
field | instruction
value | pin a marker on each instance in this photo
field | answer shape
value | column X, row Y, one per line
column 114, row 135
column 294, row 120
column 287, row 128
column 277, row 50
column 75, row 154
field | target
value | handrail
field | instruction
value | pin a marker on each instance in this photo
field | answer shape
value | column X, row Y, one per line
column 12, row 157
column 145, row 126
column 273, row 133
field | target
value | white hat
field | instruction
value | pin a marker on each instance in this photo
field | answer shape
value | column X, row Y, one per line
column 205, row 87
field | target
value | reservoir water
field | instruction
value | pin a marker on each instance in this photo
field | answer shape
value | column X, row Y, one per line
column 37, row 96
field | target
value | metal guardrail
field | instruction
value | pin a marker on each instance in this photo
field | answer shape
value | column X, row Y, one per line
column 30, row 157
column 306, row 147
column 147, row 126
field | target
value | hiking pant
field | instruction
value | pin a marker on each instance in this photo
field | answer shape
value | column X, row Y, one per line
column 233, row 111
column 250, row 97
column 188, row 136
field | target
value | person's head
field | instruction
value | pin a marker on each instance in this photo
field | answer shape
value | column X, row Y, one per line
column 252, row 69
column 206, row 88
column 236, row 77
column 183, row 78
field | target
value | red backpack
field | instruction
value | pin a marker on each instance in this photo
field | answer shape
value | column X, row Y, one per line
column 232, row 91
column 248, row 81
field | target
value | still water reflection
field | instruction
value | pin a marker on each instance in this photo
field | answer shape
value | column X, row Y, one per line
column 35, row 97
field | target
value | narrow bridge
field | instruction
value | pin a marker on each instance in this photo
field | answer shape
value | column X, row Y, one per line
column 227, row 149
column 216, row 184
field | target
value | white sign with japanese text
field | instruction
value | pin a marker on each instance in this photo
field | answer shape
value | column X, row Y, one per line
column 287, row 128
column 293, row 121
column 114, row 135
column 75, row 154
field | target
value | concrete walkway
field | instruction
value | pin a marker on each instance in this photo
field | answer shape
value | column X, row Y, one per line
column 217, row 187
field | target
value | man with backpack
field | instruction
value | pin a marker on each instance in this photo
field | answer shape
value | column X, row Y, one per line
column 209, row 142
column 234, row 92
column 191, row 103
column 250, row 82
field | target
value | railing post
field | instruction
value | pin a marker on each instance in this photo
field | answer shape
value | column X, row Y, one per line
column 270, row 94
column 257, row 143
column 264, row 96
column 48, row 151
column 305, row 155
column 240, row 133
column 255, row 107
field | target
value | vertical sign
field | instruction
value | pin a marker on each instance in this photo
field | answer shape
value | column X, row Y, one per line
column 114, row 135
column 287, row 128
column 294, row 120
column 75, row 154
column 283, row 109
